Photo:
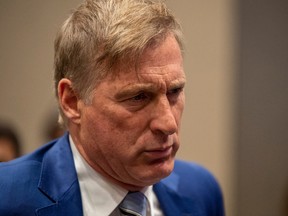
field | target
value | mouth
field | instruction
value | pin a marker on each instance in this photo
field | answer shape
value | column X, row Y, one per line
column 159, row 153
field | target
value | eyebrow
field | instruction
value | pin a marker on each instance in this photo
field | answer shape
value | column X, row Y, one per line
column 178, row 83
column 135, row 88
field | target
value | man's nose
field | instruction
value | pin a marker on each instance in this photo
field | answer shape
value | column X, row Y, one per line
column 163, row 119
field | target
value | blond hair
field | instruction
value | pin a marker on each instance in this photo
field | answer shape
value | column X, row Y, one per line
column 99, row 34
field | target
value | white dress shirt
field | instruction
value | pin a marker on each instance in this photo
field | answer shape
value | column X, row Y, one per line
column 99, row 196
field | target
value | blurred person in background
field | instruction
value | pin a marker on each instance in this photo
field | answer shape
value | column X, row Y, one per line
column 9, row 143
column 52, row 129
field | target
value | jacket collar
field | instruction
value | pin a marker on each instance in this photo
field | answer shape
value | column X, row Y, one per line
column 172, row 201
column 59, row 181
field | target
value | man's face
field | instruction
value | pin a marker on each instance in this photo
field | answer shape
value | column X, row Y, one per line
column 130, row 131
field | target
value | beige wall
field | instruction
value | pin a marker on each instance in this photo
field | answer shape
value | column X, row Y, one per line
column 26, row 58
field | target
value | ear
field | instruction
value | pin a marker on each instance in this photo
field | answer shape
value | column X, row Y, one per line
column 68, row 100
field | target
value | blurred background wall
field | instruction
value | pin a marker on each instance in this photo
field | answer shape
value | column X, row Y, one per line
column 236, row 59
column 262, row 150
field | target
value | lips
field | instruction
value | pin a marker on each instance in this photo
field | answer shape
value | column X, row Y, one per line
column 159, row 153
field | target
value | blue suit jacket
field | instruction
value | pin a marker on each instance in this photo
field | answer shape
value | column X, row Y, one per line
column 45, row 183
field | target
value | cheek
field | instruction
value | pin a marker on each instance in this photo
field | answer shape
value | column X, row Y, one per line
column 113, row 128
column 121, row 121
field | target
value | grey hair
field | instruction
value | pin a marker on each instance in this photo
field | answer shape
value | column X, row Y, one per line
column 100, row 34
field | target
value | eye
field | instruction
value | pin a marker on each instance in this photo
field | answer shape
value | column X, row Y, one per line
column 175, row 91
column 173, row 94
column 137, row 102
column 140, row 97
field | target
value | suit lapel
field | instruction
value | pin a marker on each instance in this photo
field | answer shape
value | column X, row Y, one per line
column 171, row 200
column 59, row 181
column 166, row 200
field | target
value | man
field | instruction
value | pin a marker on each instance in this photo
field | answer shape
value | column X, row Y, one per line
column 119, row 79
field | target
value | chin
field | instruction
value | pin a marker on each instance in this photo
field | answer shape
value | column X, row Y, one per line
column 158, row 171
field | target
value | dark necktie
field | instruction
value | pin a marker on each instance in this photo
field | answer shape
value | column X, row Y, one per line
column 134, row 204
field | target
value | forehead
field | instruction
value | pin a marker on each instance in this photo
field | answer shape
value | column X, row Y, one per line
column 167, row 52
column 163, row 62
